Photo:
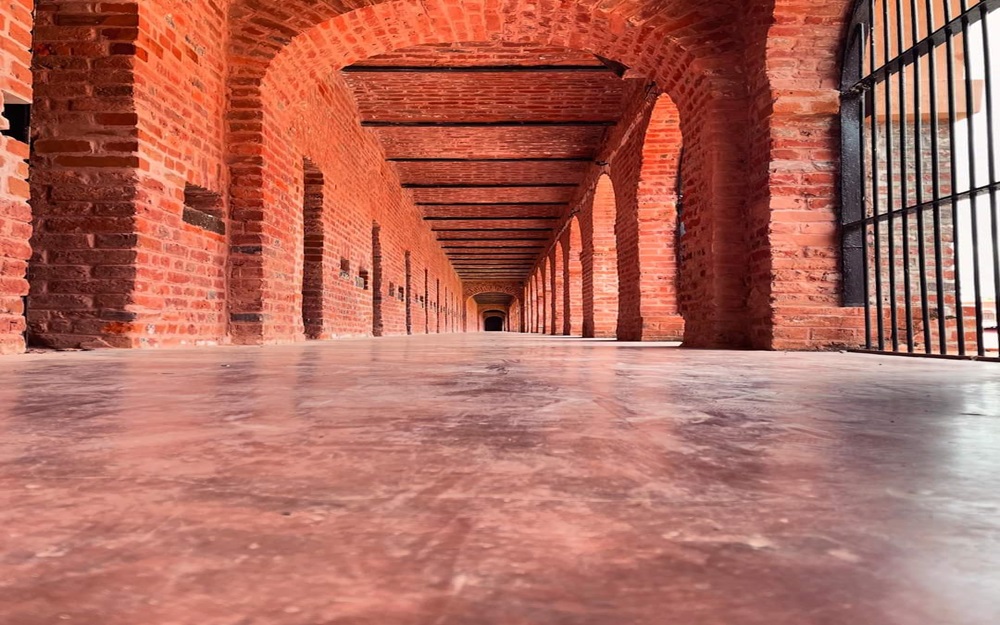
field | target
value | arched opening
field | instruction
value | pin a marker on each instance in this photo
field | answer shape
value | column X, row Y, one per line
column 648, row 261
column 544, row 299
column 486, row 305
column 494, row 321
column 281, row 100
column 602, row 279
column 494, row 324
column 558, row 290
column 574, row 282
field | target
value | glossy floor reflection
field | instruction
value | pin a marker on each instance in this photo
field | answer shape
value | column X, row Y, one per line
column 497, row 480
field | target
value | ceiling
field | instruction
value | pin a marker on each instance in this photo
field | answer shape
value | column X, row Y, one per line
column 491, row 140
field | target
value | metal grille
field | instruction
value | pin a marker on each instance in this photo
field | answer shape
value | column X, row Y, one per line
column 920, row 175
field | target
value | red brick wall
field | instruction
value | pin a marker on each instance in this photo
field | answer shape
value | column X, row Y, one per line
column 180, row 280
column 304, row 118
column 15, row 215
column 794, row 49
column 135, row 101
column 84, row 175
column 648, row 291
column 558, row 267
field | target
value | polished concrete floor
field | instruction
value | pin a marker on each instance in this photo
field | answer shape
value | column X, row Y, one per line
column 497, row 480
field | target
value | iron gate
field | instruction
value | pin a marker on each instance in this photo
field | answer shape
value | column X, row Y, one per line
column 920, row 179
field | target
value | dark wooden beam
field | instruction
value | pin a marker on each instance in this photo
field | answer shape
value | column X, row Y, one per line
column 492, row 203
column 547, row 218
column 474, row 69
column 554, row 159
column 523, row 123
column 493, row 247
column 493, row 239
column 492, row 229
column 510, row 185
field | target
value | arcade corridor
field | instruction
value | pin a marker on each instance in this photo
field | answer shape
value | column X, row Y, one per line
column 500, row 312
column 497, row 479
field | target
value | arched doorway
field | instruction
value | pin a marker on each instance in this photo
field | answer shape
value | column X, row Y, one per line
column 573, row 251
column 603, row 276
column 493, row 323
column 648, row 240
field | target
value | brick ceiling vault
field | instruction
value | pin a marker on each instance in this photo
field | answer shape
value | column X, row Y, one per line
column 492, row 141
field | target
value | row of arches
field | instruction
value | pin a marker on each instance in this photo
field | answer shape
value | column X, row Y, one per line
column 228, row 97
column 614, row 271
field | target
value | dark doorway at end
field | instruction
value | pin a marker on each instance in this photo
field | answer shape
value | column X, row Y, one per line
column 494, row 324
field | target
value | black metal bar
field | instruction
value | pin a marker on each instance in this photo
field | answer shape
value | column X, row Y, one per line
column 970, row 106
column 863, row 184
column 526, row 123
column 474, row 69
column 919, row 179
column 952, row 26
column 890, row 185
column 904, row 187
column 956, row 243
column 991, row 159
column 851, row 179
column 554, row 159
column 879, row 316
column 914, row 208
column 942, row 317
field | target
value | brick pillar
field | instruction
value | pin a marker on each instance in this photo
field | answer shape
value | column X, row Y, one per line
column 557, row 280
column 15, row 215
column 574, row 286
column 84, row 176
column 545, row 297
column 605, row 261
column 536, row 304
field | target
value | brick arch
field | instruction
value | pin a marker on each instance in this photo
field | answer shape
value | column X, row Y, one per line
column 472, row 289
column 703, row 82
column 685, row 31
column 573, row 253
column 647, row 229
column 600, row 263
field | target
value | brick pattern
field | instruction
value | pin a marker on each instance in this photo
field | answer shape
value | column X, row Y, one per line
column 602, row 272
column 572, row 246
column 323, row 126
column 135, row 102
column 422, row 96
column 84, row 176
column 794, row 49
column 15, row 215
column 656, row 234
